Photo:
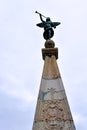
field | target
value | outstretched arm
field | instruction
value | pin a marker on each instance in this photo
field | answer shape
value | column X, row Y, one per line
column 41, row 18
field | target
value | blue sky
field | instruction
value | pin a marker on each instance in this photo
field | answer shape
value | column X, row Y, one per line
column 21, row 61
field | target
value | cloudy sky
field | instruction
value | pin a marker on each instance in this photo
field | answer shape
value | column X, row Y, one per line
column 21, row 61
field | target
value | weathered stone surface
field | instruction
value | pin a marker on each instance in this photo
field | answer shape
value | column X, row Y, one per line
column 50, row 52
column 50, row 70
column 54, row 125
column 52, row 111
column 51, row 83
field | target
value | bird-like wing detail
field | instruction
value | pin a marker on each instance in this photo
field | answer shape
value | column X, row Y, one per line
column 54, row 24
column 41, row 25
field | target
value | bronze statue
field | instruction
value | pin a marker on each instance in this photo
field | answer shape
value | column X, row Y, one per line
column 48, row 26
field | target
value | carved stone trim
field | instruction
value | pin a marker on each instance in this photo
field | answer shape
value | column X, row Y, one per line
column 50, row 52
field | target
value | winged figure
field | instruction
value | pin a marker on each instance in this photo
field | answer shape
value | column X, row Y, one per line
column 48, row 26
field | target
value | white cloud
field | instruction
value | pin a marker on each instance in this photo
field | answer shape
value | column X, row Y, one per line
column 80, row 121
column 16, row 88
column 78, row 118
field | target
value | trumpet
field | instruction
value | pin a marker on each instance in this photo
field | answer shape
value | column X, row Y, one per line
column 40, row 14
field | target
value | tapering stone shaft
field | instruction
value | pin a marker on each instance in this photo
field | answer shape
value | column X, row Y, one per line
column 52, row 110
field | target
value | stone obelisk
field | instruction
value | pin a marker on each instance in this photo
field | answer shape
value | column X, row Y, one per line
column 52, row 110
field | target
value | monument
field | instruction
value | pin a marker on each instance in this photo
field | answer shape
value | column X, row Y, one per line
column 48, row 26
column 52, row 110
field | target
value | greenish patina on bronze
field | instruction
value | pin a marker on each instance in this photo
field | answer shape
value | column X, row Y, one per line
column 48, row 26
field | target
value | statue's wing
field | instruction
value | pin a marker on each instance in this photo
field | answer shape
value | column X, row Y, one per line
column 41, row 25
column 54, row 24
